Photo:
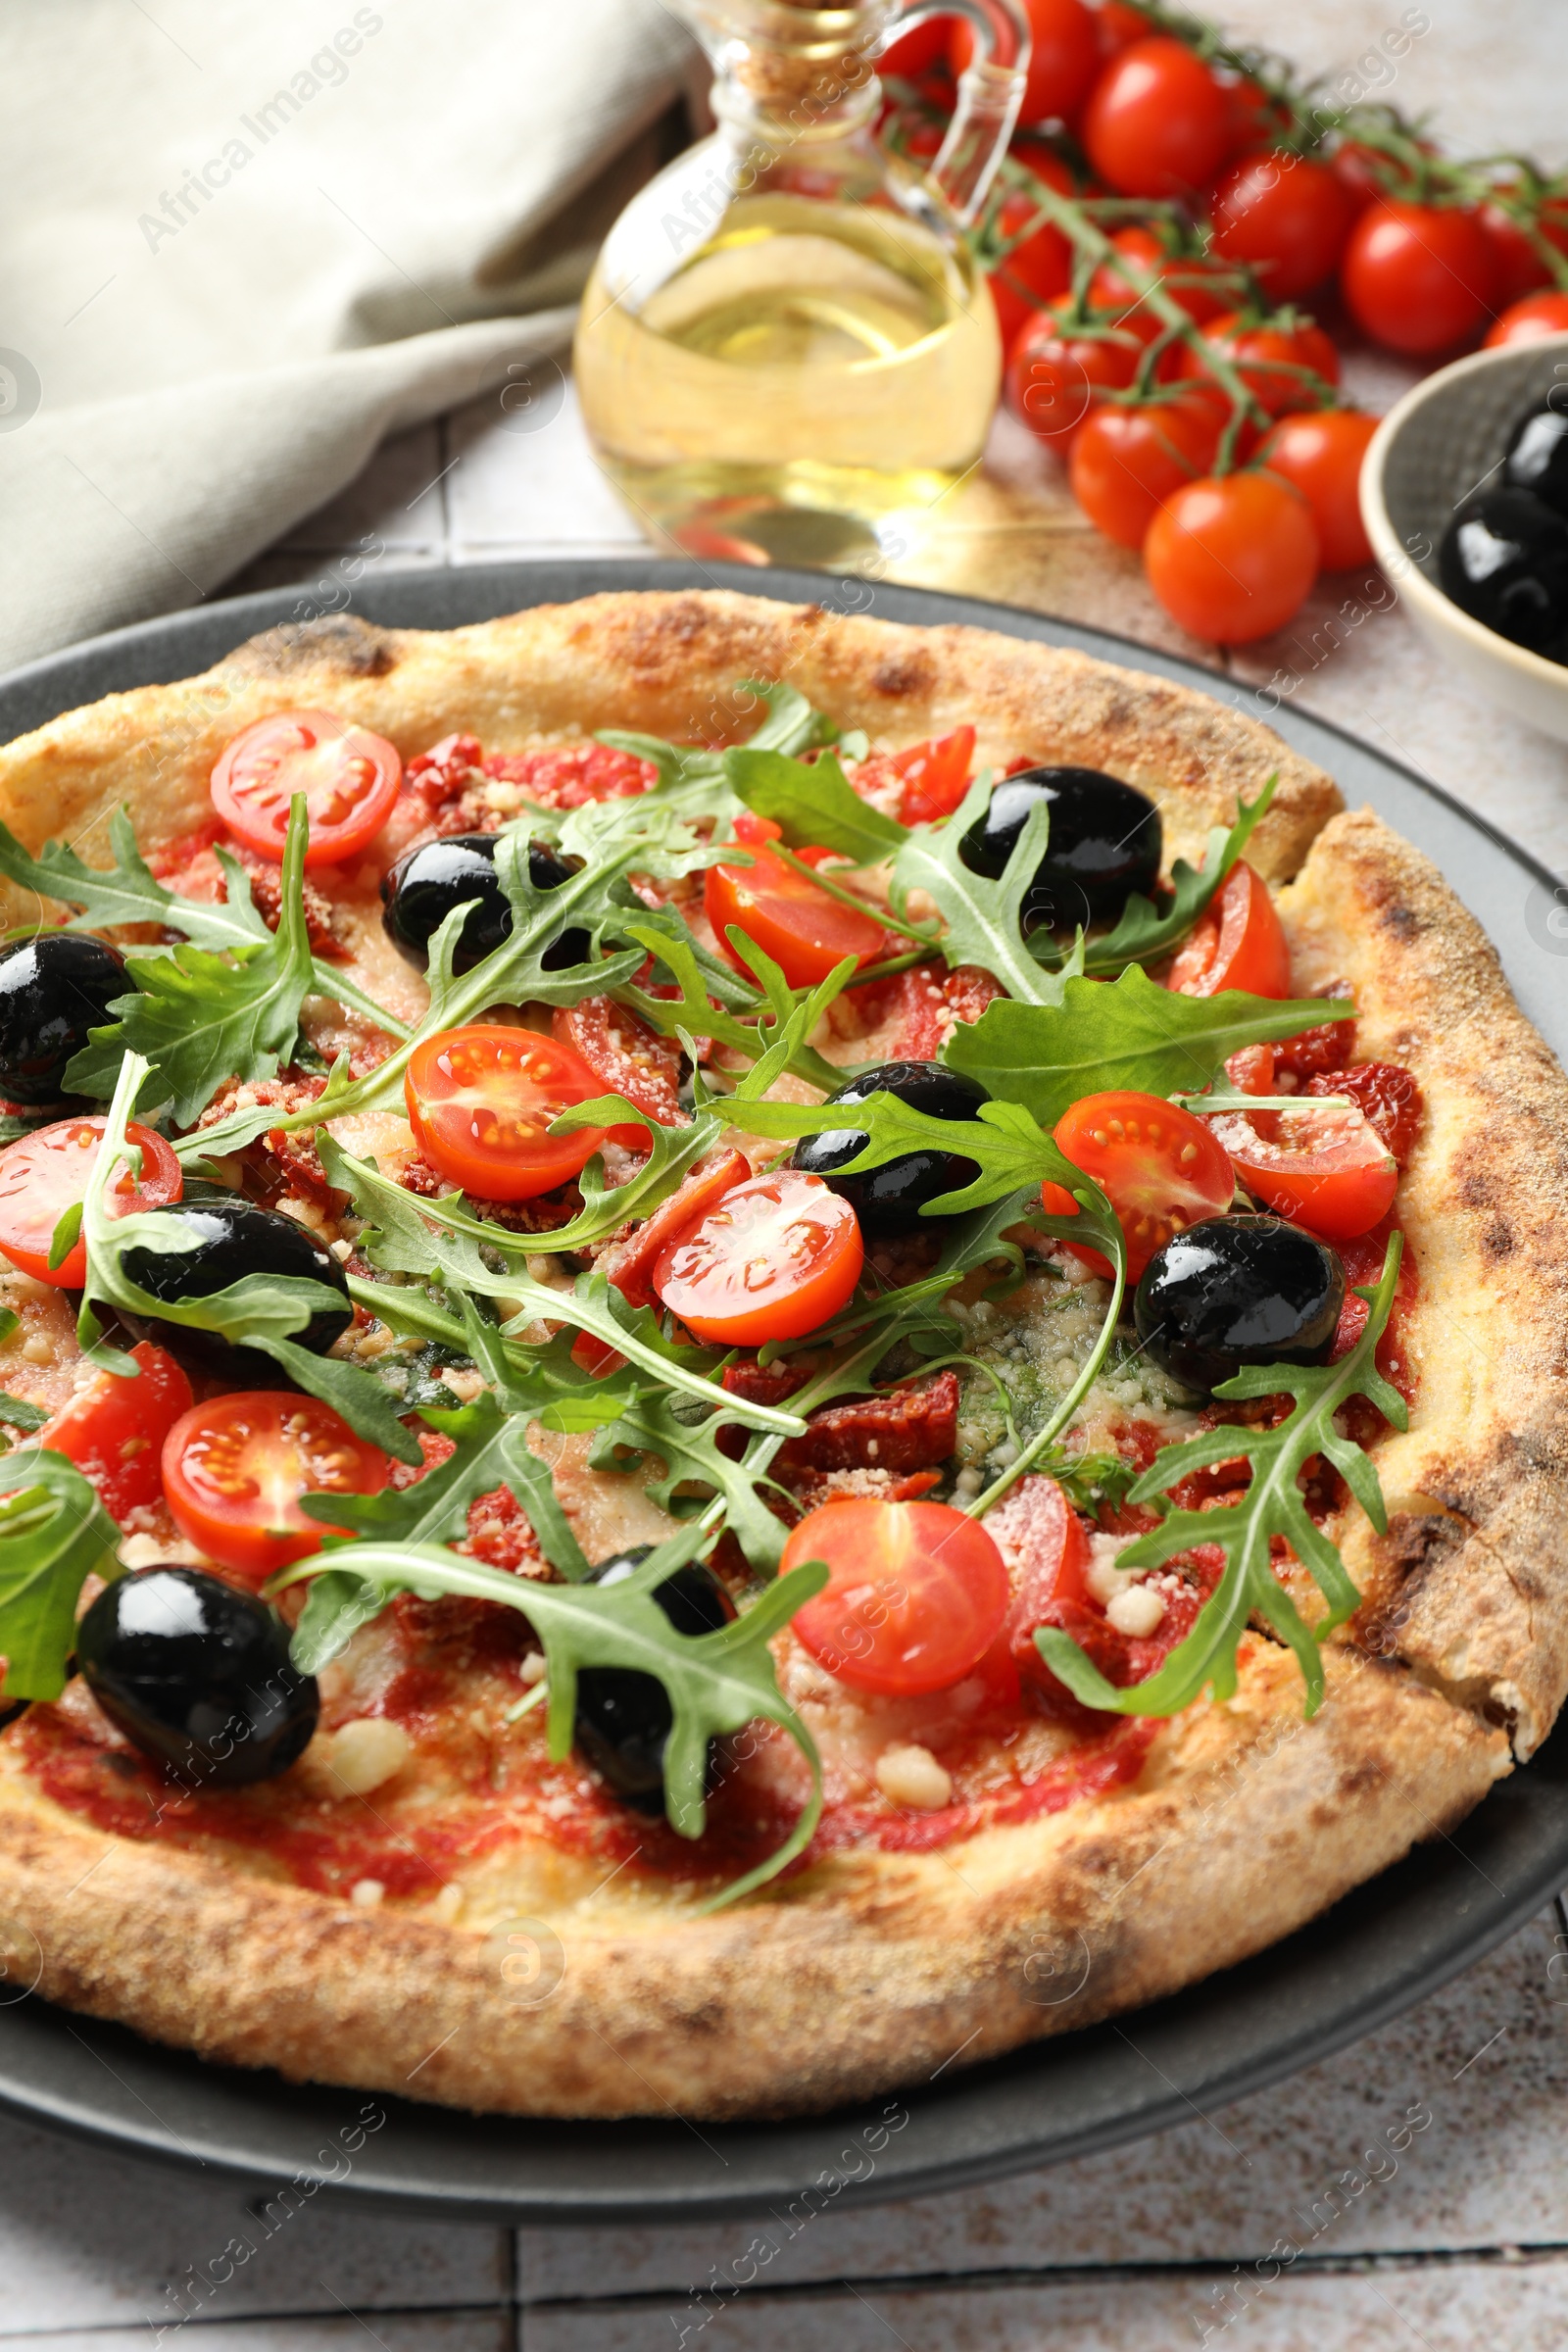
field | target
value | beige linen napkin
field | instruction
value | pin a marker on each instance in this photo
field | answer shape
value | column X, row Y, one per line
column 239, row 244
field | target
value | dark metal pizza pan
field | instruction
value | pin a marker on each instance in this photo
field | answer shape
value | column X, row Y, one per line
column 1376, row 1953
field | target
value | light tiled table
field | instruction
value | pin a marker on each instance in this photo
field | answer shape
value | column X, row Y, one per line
column 1163, row 2245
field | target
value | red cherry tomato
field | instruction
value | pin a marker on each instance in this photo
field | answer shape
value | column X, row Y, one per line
column 916, row 1596
column 45, row 1173
column 914, row 54
column 1233, row 559
column 1058, row 372
column 480, row 1100
column 1188, row 280
column 935, row 775
column 1239, row 942
column 1278, row 364
column 1419, row 277
column 777, row 1257
column 1040, row 265
column 805, row 930
column 1367, row 175
column 1284, row 215
column 1126, row 462
column 1159, row 1168
column 349, row 778
column 235, row 1468
column 1257, row 122
column 1158, row 123
column 1386, row 1094
column 1530, row 320
column 626, row 1057
column 1328, row 1170
column 1063, row 57
column 1119, row 25
column 113, row 1429
column 632, row 1272
column 1321, row 456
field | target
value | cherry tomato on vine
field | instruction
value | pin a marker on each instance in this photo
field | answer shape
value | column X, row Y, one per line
column 806, row 930
column 1257, row 120
column 776, row 1258
column 480, row 1100
column 1187, row 280
column 1328, row 1170
column 1530, row 320
column 1419, row 277
column 1367, row 175
column 1321, row 455
column 1157, row 124
column 113, row 1429
column 935, row 775
column 1278, row 364
column 1286, row 217
column 914, row 54
column 1233, row 556
column 1238, row 942
column 1518, row 265
column 46, row 1172
column 1119, row 27
column 915, row 1596
column 349, row 777
column 1063, row 57
column 1126, row 462
column 1159, row 1168
column 235, row 1468
column 1040, row 265
column 1056, row 372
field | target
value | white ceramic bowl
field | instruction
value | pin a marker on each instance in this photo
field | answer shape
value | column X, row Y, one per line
column 1446, row 439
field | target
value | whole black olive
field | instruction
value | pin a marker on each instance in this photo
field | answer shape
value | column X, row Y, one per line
column 198, row 1675
column 624, row 1717
column 234, row 1240
column 1504, row 561
column 53, row 988
column 423, row 887
column 1105, row 841
column 1537, row 457
column 1241, row 1290
column 889, row 1200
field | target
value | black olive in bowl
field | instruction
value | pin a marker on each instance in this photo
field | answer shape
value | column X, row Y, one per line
column 1105, row 841
column 1537, row 457
column 53, row 988
column 624, row 1717
column 1235, row 1290
column 1504, row 561
column 425, row 884
column 889, row 1200
column 198, row 1675
column 236, row 1239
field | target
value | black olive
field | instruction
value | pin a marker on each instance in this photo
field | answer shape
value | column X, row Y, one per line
column 423, row 887
column 890, row 1198
column 1233, row 1291
column 624, row 1717
column 1537, row 457
column 1105, row 841
column 198, row 1675
column 1504, row 561
column 236, row 1239
column 53, row 988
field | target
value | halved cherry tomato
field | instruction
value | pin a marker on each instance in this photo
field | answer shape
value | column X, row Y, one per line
column 1321, row 456
column 778, row 1257
column 1158, row 123
column 1239, row 942
column 805, row 930
column 1233, row 556
column 1127, row 462
column 1328, row 1170
column 1278, row 364
column 480, row 1100
column 1530, row 320
column 235, row 1468
column 626, row 1057
column 916, row 1596
column 349, row 777
column 45, row 1173
column 936, row 775
column 704, row 1189
column 113, row 1429
column 1047, row 1539
column 1159, row 1167
column 1386, row 1094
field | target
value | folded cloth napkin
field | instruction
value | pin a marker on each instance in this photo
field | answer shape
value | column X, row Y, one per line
column 242, row 244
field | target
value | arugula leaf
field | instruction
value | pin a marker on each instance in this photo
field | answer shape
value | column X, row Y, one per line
column 1272, row 1505
column 1125, row 1033
column 983, row 918
column 54, row 1533
column 1002, row 1138
column 697, row 778
column 689, row 1450
column 815, row 804
column 716, row 1682
column 1144, row 931
column 17, row 1413
column 786, row 1017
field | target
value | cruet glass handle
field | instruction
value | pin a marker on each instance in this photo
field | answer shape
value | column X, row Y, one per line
column 989, row 95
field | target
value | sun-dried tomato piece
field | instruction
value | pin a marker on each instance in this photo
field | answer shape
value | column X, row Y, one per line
column 912, row 1427
column 575, row 773
column 631, row 1059
column 1386, row 1094
column 1328, row 1046
column 266, row 896
column 630, row 1264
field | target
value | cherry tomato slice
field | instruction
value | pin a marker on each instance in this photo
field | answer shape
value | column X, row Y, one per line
column 480, row 1100
column 935, row 775
column 778, row 1257
column 349, row 777
column 805, row 930
column 704, row 1189
column 235, row 1468
column 628, row 1057
column 916, row 1596
column 1159, row 1167
column 113, row 1429
column 45, row 1173
column 1328, row 1170
column 1240, row 943
column 1045, row 1538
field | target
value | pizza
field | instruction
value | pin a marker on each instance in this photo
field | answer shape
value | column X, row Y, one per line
column 746, row 1352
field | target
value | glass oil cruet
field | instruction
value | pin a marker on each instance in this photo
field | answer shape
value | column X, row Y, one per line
column 785, row 351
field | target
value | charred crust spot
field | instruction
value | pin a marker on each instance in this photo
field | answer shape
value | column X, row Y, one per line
column 905, row 674
column 338, row 641
column 1498, row 1238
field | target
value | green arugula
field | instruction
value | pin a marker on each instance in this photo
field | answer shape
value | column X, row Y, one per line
column 54, row 1533
column 1004, row 1140
column 716, row 1682
column 984, row 918
column 1272, row 1505
column 17, row 1413
column 815, row 804
column 1144, row 931
column 1125, row 1033
column 776, row 1040
column 690, row 1452
column 698, row 779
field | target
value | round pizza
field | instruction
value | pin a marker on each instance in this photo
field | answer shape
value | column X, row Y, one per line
column 744, row 1352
